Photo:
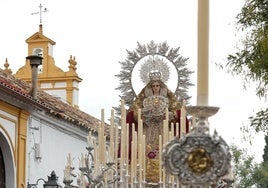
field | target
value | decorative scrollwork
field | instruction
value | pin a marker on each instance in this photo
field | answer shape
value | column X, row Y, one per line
column 198, row 158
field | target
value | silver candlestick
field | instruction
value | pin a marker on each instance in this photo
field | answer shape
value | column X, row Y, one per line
column 197, row 158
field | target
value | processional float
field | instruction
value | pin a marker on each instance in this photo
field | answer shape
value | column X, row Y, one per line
column 186, row 155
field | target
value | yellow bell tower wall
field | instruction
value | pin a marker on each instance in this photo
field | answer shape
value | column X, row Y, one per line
column 52, row 79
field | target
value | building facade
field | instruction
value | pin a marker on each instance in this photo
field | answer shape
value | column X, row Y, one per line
column 38, row 133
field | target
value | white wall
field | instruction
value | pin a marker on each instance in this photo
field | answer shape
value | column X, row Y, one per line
column 56, row 141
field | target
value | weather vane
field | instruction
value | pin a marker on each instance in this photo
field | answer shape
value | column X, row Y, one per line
column 40, row 12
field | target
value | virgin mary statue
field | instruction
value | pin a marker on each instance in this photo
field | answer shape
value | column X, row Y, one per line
column 153, row 100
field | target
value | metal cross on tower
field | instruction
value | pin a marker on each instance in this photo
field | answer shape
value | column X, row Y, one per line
column 40, row 12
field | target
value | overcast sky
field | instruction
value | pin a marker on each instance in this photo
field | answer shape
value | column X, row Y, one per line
column 98, row 33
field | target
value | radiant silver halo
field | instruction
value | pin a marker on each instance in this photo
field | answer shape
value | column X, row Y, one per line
column 162, row 53
column 154, row 64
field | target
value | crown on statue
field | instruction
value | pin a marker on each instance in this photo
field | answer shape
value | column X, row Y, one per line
column 155, row 75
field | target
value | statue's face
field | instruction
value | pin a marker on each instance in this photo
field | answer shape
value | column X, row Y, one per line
column 156, row 87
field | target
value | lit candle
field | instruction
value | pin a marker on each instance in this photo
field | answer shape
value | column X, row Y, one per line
column 127, row 145
column 167, row 114
column 177, row 129
column 103, row 139
column 166, row 129
column 112, row 126
column 105, row 180
column 107, row 156
column 66, row 174
column 165, row 138
column 140, row 164
column 116, row 146
column 132, row 153
column 69, row 160
column 203, row 52
column 111, row 151
column 139, row 126
column 122, row 154
column 80, row 177
column 135, row 143
column 123, row 134
column 160, row 157
column 133, row 150
column 96, row 151
column 170, row 135
column 82, row 161
column 172, row 129
column 103, row 149
column 164, row 174
column 183, row 118
column 123, row 111
column 89, row 139
column 144, row 157
column 100, row 140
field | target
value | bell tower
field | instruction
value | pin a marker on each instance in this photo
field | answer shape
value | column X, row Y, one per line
column 52, row 79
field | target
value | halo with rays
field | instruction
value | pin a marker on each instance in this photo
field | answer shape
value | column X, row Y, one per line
column 155, row 56
column 154, row 64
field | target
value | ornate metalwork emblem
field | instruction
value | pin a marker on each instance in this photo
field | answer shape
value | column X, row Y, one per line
column 198, row 158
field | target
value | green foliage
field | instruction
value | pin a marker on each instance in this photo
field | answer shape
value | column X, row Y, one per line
column 244, row 167
column 251, row 60
column 253, row 13
column 260, row 121
column 260, row 175
column 265, row 151
column 247, row 172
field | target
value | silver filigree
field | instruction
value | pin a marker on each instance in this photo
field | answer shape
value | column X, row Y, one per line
column 198, row 159
column 154, row 64
column 159, row 52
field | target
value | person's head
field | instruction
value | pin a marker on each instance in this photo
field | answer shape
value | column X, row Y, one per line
column 156, row 87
